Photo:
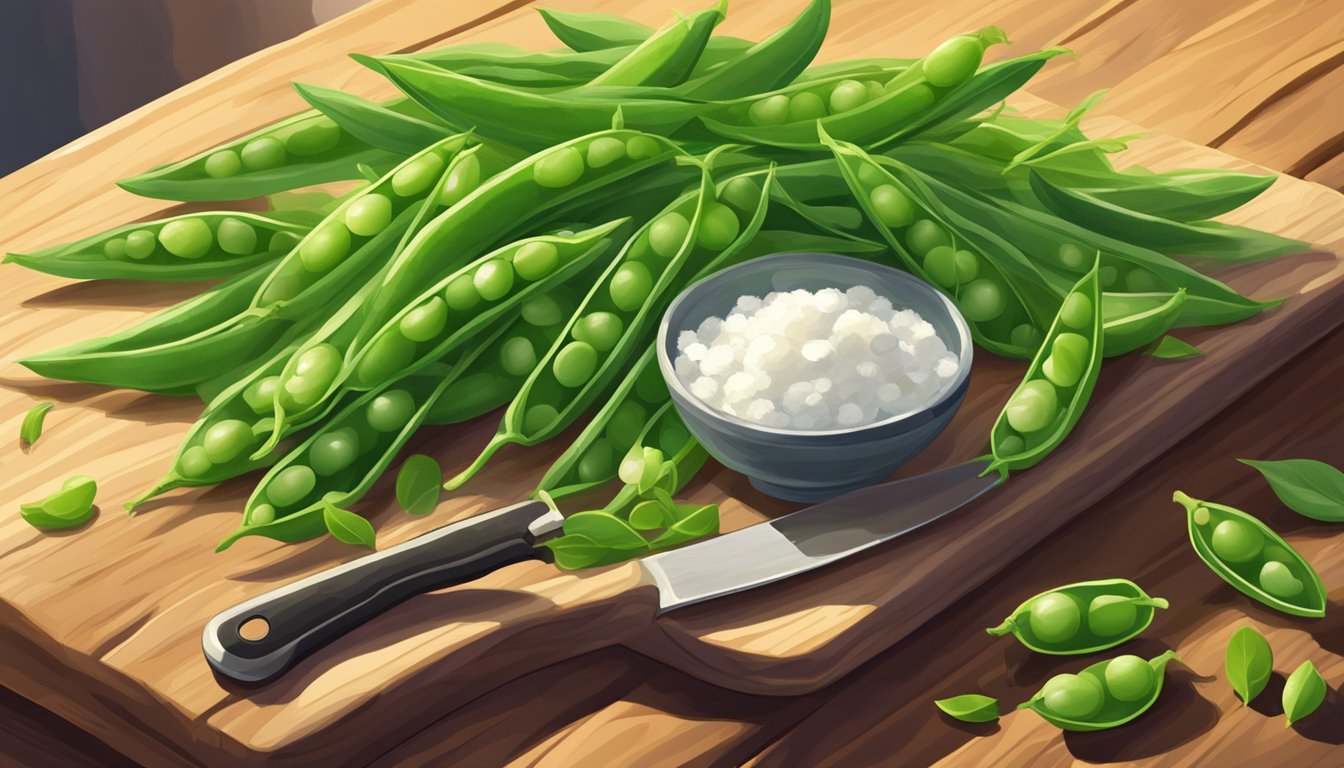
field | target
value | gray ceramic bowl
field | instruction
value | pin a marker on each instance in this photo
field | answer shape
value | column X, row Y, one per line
column 813, row 465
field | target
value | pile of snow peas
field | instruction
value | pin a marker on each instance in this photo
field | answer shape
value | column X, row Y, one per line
column 511, row 227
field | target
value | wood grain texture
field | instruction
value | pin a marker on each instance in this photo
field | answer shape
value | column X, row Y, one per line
column 117, row 635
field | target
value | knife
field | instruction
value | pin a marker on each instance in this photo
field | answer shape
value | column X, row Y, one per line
column 258, row 640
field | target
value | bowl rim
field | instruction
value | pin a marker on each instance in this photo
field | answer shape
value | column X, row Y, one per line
column 674, row 384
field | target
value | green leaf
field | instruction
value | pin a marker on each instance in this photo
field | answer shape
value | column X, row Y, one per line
column 1303, row 693
column 605, row 530
column 574, row 551
column 418, row 484
column 1306, row 486
column 1172, row 348
column 347, row 527
column 694, row 523
column 70, row 507
column 32, row 422
column 970, row 708
column 648, row 516
column 1249, row 662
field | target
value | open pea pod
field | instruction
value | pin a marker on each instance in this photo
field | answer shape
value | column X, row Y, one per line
column 668, row 56
column 769, row 64
column 194, row 246
column 1044, row 408
column 1254, row 559
column 1104, row 695
column 1085, row 617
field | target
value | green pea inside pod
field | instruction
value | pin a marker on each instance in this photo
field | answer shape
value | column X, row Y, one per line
column 1084, row 617
column 1104, row 695
column 1250, row 556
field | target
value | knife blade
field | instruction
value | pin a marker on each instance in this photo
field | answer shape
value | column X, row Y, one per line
column 257, row 640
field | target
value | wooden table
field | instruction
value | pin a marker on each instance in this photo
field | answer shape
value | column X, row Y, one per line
column 1249, row 78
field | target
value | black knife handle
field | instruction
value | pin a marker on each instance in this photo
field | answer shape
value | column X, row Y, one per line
column 303, row 616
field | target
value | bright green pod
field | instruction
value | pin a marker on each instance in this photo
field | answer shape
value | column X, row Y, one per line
column 1105, row 695
column 1085, row 617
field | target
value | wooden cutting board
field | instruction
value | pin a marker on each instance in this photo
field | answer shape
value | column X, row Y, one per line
column 102, row 625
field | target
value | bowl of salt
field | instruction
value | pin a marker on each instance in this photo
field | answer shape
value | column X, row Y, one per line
column 814, row 374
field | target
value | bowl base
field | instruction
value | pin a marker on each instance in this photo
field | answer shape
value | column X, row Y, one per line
column 809, row 493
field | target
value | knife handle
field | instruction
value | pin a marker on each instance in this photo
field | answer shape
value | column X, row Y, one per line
column 286, row 624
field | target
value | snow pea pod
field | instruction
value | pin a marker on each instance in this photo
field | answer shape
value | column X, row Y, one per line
column 1185, row 195
column 667, row 57
column 1104, row 695
column 194, row 246
column 1055, row 390
column 769, row 64
column 1085, row 617
column 1129, row 323
column 1254, row 559
column 593, row 31
column 374, row 124
column 520, row 67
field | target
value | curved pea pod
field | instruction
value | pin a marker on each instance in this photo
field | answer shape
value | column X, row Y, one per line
column 1104, row 695
column 1134, row 321
column 618, row 314
column 299, row 151
column 769, row 64
column 1254, row 559
column 194, row 246
column 1044, row 408
column 667, row 56
column 70, row 507
column 1085, row 617
column 1203, row 240
column 1001, row 294
column 523, row 68
column 593, row 31
column 523, row 118
column 1182, row 195
column 401, row 126
column 666, row 433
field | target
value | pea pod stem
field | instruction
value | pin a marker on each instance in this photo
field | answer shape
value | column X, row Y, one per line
column 1008, row 627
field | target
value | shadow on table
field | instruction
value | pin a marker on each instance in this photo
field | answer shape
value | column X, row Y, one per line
column 1180, row 716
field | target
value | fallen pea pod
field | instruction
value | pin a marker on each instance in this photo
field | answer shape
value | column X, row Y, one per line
column 1104, row 695
column 1085, row 617
column 70, row 507
column 1254, row 559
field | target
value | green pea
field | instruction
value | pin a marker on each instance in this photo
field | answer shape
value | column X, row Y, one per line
column 225, row 441
column 461, row 293
column 600, row 330
column 1108, row 276
column 574, row 364
column 1129, row 678
column 223, row 164
column 870, row 176
column 667, row 233
column 517, row 356
column 742, row 193
column 262, row 514
column 186, row 238
column 115, row 248
column 260, row 394
column 1026, row 336
column 892, row 206
column 1068, row 357
column 324, row 247
column 953, row 62
column 1011, row 445
column 925, row 235
column 1055, row 617
column 462, row 180
column 194, row 463
column 263, row 153
column 283, row 242
column 968, row 266
column 1076, row 312
column 718, row 227
column 236, row 237
column 772, row 110
column 558, row 168
column 641, row 147
column 1072, row 257
column 390, row 411
column 320, row 361
column 388, row 354
column 1278, row 580
column 536, row 260
column 1032, row 407
column 626, row 422
column 539, row 417
column 630, row 286
column 1236, row 542
column 671, row 437
column 333, row 451
column 312, row 137
column 650, row 386
column 941, row 266
column 1140, row 280
column 604, row 151
column 1111, row 615
column 806, row 106
column 1076, row 697
column 140, row 244
column 1201, row 516
column 417, row 176
column 493, row 279
column 875, row 89
column 982, row 300
column 847, row 95
column 425, row 321
column 369, row 215
column 290, row 485
column 543, row 311
column 598, row 462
